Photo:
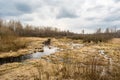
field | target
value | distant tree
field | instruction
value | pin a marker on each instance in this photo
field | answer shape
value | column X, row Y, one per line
column 11, row 25
column 1, row 22
column 98, row 30
column 115, row 28
column 28, row 31
column 111, row 30
column 83, row 31
column 18, row 28
column 107, row 30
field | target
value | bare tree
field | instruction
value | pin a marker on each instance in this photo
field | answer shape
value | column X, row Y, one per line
column 98, row 30
column 83, row 31
column 107, row 30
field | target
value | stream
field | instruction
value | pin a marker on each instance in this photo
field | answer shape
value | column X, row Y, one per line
column 37, row 55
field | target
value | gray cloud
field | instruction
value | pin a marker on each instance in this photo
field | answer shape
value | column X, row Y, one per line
column 52, row 2
column 80, row 14
column 8, row 10
column 27, row 19
column 5, row 14
column 96, row 8
column 115, row 11
column 117, row 0
column 91, row 18
column 4, row 9
column 23, row 7
column 13, row 8
column 64, row 13
column 112, row 17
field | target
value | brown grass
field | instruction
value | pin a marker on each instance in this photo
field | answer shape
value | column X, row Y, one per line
column 77, row 64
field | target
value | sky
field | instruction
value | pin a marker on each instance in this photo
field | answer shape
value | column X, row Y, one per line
column 73, row 15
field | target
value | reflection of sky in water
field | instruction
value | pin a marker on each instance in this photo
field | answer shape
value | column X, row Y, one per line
column 47, row 51
column 101, row 51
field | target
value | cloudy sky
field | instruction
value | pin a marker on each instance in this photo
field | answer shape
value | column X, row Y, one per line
column 74, row 15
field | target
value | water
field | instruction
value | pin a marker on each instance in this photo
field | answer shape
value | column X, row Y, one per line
column 101, row 52
column 47, row 51
column 75, row 45
column 110, row 62
column 37, row 55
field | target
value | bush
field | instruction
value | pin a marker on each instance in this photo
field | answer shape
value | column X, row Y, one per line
column 101, row 37
column 9, row 40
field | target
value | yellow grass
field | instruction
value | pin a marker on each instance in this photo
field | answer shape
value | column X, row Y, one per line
column 32, row 43
column 70, row 67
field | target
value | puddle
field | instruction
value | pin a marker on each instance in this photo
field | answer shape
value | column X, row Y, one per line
column 47, row 51
column 101, row 52
column 75, row 45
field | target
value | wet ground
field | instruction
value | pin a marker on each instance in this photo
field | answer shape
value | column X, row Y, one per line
column 73, row 57
column 46, row 51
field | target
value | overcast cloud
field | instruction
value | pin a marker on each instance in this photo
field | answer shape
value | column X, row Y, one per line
column 73, row 15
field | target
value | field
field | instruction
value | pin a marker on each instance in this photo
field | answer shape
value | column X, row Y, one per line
column 60, row 40
column 75, row 60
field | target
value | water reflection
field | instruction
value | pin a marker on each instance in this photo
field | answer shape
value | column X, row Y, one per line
column 47, row 51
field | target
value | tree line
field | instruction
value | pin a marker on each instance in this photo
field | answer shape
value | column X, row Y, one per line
column 98, row 36
column 15, row 28
column 33, row 31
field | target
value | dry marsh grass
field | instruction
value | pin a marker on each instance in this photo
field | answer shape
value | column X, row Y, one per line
column 83, row 63
column 11, row 44
column 21, row 46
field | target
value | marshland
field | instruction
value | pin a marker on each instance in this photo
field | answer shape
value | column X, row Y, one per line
column 49, row 54
column 59, row 39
